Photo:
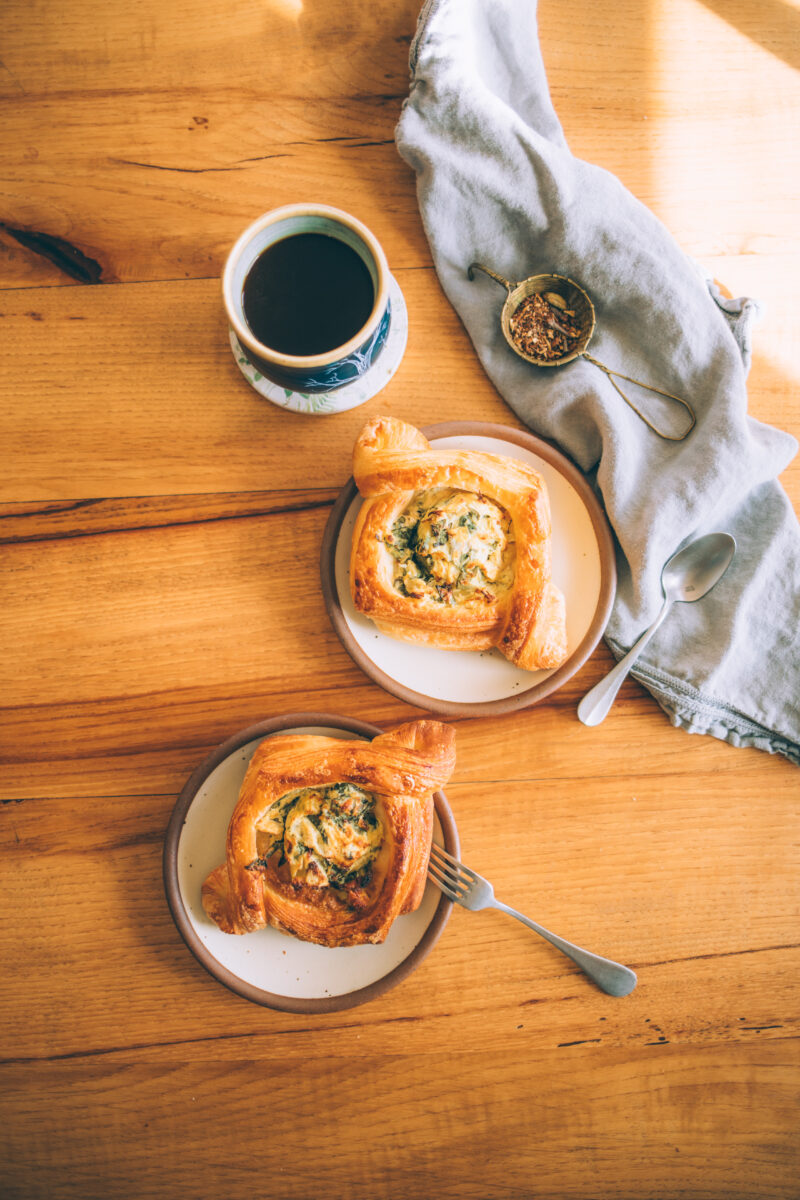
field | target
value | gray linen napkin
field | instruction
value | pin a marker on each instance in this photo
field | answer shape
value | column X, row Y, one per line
column 497, row 184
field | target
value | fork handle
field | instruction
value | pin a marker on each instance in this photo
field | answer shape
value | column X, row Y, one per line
column 611, row 977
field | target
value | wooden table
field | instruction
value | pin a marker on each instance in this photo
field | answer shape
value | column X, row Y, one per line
column 149, row 498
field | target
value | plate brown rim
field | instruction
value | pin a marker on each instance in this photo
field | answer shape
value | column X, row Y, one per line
column 538, row 691
column 295, row 1004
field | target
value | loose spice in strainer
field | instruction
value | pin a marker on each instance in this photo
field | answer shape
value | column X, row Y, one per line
column 543, row 327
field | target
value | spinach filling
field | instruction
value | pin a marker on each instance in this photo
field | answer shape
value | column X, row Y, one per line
column 450, row 545
column 329, row 836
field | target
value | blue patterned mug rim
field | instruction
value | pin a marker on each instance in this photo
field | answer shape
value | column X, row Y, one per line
column 282, row 222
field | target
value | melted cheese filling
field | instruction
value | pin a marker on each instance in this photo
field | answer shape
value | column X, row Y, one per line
column 452, row 546
column 328, row 836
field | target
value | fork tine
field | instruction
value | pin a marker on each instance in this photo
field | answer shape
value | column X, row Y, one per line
column 454, row 891
column 440, row 850
column 448, row 873
column 443, row 887
column 447, row 860
column 445, row 869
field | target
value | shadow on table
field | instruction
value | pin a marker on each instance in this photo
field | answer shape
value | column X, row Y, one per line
column 751, row 20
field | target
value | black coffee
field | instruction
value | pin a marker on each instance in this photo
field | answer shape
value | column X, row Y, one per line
column 307, row 294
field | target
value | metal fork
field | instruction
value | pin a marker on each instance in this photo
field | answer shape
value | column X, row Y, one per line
column 471, row 890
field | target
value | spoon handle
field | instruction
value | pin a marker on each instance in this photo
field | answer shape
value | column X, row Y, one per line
column 595, row 705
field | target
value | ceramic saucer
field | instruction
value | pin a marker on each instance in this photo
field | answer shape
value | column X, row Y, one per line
column 352, row 394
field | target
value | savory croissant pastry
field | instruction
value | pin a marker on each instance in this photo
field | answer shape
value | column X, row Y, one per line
column 330, row 839
column 451, row 548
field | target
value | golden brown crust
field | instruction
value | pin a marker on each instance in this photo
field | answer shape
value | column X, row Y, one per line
column 400, row 769
column 391, row 462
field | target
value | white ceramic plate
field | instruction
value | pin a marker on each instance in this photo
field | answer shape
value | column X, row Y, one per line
column 471, row 683
column 267, row 966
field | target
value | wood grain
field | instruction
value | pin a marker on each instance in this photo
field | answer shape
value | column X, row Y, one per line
column 185, row 416
column 591, row 1114
column 164, row 624
column 490, row 971
column 160, row 527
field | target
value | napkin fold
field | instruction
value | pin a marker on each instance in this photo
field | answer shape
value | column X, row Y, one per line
column 497, row 184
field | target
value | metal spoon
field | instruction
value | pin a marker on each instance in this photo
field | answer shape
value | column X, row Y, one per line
column 688, row 575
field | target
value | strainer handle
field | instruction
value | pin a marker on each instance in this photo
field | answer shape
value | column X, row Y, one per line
column 498, row 278
column 669, row 437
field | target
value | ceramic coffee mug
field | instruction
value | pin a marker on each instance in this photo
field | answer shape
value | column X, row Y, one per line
column 343, row 364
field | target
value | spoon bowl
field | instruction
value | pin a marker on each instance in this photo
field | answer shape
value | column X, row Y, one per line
column 689, row 575
column 695, row 569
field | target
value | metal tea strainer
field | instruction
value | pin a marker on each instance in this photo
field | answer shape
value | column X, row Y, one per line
column 576, row 301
